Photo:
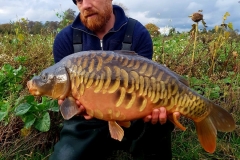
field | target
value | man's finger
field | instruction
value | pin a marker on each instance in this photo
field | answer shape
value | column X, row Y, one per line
column 147, row 118
column 83, row 112
column 82, row 109
column 87, row 117
column 155, row 114
column 60, row 101
column 78, row 102
column 162, row 115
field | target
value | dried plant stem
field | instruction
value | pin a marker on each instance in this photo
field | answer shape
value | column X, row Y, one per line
column 194, row 48
column 195, row 41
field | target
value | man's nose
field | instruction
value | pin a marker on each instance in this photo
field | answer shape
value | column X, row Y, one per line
column 86, row 4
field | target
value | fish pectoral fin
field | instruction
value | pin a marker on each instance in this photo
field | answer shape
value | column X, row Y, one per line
column 207, row 134
column 125, row 124
column 173, row 118
column 115, row 130
column 69, row 108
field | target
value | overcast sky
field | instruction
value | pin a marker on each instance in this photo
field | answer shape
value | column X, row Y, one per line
column 172, row 13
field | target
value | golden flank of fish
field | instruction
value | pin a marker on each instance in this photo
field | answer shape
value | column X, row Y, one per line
column 120, row 86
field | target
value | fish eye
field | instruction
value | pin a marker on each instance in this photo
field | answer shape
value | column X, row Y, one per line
column 44, row 76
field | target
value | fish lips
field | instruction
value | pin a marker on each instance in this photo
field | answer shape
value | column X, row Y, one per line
column 32, row 88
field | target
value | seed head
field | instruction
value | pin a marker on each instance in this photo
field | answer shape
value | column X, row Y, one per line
column 196, row 17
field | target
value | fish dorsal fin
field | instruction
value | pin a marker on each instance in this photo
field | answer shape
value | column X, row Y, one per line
column 184, row 81
column 69, row 108
column 125, row 52
column 115, row 130
column 180, row 78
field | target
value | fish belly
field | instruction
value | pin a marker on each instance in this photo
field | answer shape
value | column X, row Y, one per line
column 106, row 106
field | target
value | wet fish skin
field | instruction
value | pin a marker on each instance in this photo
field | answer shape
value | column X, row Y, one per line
column 120, row 86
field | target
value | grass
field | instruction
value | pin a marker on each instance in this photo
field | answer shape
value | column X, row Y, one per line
column 31, row 156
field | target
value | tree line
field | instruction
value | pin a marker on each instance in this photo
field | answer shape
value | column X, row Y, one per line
column 37, row 27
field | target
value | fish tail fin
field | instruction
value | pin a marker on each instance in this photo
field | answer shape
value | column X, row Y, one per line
column 222, row 119
column 207, row 134
column 218, row 120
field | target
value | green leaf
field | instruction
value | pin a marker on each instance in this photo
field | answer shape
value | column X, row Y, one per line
column 204, row 23
column 226, row 15
column 43, row 124
column 230, row 25
column 29, row 99
column 22, row 109
column 18, row 87
column 46, row 104
column 3, row 115
column 214, row 92
column 54, row 109
column 45, row 99
column 227, row 80
column 7, row 67
column 20, row 59
column 4, row 107
column 58, row 29
column 54, row 106
column 28, row 120
column 20, row 37
column 42, row 106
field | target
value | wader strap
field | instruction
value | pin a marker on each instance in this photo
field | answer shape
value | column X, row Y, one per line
column 127, row 41
column 77, row 40
column 126, row 44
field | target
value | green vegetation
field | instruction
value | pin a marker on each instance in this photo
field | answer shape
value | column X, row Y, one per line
column 209, row 60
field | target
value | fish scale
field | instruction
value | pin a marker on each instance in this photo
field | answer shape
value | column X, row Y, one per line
column 120, row 86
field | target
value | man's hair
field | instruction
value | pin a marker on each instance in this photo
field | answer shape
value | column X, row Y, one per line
column 74, row 1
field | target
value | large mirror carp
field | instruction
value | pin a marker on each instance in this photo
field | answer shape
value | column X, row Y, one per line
column 121, row 86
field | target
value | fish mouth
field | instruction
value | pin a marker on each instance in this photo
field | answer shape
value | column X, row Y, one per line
column 32, row 89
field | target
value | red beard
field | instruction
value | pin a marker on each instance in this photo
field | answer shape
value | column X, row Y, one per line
column 98, row 19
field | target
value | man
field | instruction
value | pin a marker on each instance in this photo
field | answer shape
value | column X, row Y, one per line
column 103, row 27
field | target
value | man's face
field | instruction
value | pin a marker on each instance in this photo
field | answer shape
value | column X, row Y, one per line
column 95, row 13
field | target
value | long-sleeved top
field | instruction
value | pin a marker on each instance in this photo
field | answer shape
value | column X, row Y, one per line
column 141, row 40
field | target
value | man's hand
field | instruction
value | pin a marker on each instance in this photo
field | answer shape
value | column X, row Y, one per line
column 159, row 115
column 81, row 108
